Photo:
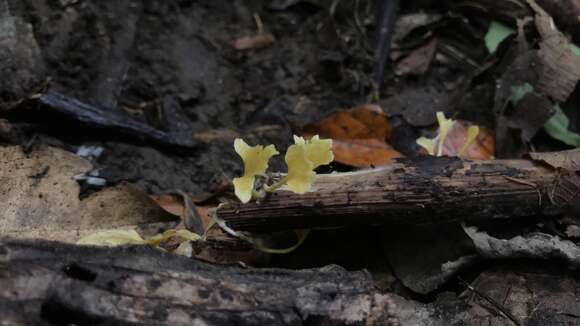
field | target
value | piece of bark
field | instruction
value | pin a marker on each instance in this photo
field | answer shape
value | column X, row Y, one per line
column 418, row 191
column 534, row 246
column 44, row 283
column 116, row 121
column 565, row 14
column 21, row 61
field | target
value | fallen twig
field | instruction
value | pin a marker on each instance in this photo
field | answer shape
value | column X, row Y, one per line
column 420, row 191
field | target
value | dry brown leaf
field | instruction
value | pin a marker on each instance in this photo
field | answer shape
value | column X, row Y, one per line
column 170, row 204
column 219, row 246
column 550, row 74
column 173, row 204
column 567, row 160
column 559, row 69
column 359, row 136
column 418, row 61
column 254, row 41
column 40, row 199
column 367, row 121
column 364, row 152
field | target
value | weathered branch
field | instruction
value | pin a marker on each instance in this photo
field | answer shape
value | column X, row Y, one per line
column 44, row 283
column 425, row 190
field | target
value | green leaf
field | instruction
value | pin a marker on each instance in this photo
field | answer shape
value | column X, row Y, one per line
column 557, row 127
column 519, row 91
column 575, row 49
column 496, row 33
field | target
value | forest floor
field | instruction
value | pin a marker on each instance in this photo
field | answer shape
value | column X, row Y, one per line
column 121, row 116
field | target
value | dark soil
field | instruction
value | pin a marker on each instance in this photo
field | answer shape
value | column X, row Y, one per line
column 146, row 58
column 170, row 68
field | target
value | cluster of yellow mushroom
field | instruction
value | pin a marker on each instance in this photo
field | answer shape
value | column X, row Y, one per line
column 434, row 146
column 301, row 158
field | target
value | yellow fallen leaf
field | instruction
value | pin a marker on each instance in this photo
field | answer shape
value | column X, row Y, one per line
column 182, row 234
column 112, row 238
column 187, row 235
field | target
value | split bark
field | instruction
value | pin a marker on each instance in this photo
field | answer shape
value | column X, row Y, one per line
column 49, row 283
column 420, row 191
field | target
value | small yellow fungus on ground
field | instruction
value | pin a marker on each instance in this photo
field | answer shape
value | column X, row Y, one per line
column 255, row 163
column 444, row 127
column 318, row 151
column 300, row 169
column 453, row 138
column 302, row 158
column 472, row 133
column 430, row 144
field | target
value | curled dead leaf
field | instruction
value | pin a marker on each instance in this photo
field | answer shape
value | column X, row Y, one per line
column 359, row 136
column 418, row 61
column 567, row 160
column 174, row 205
column 364, row 152
column 254, row 41
column 170, row 204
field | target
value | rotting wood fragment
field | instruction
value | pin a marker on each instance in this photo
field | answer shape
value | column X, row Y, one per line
column 139, row 285
column 420, row 191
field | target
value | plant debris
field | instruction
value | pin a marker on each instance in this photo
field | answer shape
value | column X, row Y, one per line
column 432, row 144
column 359, row 136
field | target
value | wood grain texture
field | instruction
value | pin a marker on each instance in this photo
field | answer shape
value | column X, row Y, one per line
column 49, row 283
column 419, row 191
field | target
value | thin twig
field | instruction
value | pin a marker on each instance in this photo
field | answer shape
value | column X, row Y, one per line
column 527, row 184
column 499, row 307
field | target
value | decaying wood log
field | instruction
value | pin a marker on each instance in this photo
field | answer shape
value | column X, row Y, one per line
column 48, row 283
column 419, row 191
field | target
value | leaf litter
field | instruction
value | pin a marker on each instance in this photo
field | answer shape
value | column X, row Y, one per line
column 536, row 86
column 41, row 198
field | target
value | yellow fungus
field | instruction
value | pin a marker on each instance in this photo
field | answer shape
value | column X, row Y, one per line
column 300, row 169
column 318, row 151
column 302, row 158
column 427, row 144
column 255, row 163
column 444, row 127
column 472, row 133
